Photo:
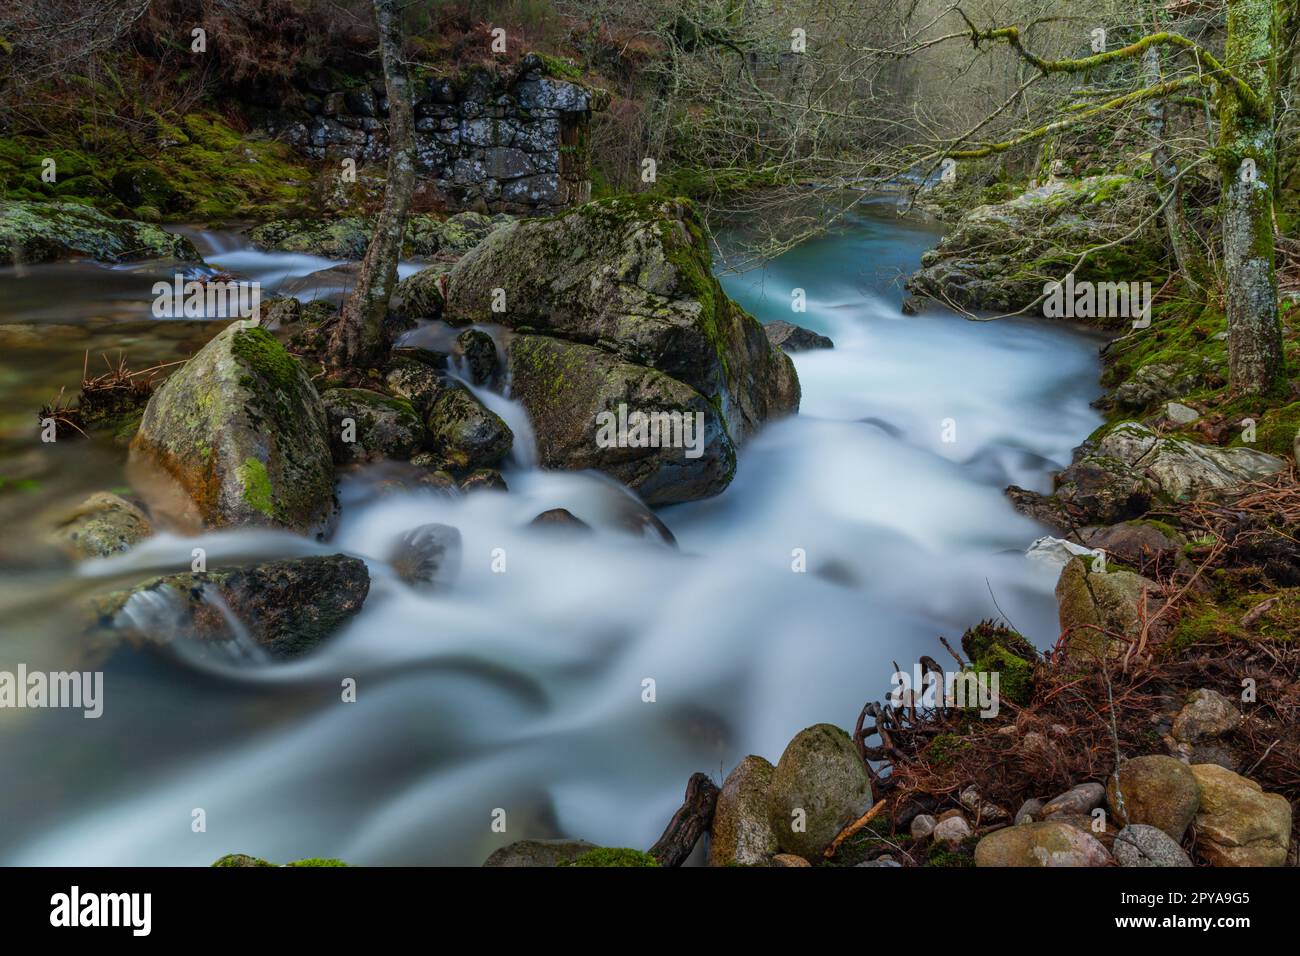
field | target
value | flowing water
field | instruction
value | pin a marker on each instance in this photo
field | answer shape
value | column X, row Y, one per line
column 522, row 690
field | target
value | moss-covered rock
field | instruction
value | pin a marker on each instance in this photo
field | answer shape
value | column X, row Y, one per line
column 1183, row 468
column 1102, row 611
column 44, row 231
column 819, row 787
column 565, row 386
column 612, row 856
column 1000, row 256
column 102, row 525
column 1156, row 790
column 286, row 607
column 463, row 432
column 347, row 237
column 369, row 426
column 742, row 833
column 528, row 853
column 238, row 436
column 632, row 276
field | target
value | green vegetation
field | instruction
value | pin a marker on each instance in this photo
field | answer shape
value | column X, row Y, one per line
column 612, row 856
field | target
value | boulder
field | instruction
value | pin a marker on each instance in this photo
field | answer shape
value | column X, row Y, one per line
column 427, row 556
column 1146, row 846
column 242, row 435
column 1181, row 468
column 1090, row 603
column 1206, row 714
column 632, row 276
column 33, row 232
column 999, row 256
column 1134, row 542
column 421, row 296
column 1104, row 490
column 285, row 607
column 1237, row 823
column 567, row 388
column 742, row 833
column 795, row 338
column 820, row 786
column 102, row 525
column 539, row 852
column 479, row 353
column 464, row 432
column 1040, row 844
column 1029, row 811
column 1156, row 790
column 367, row 426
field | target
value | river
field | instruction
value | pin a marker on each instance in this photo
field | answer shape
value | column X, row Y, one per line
column 524, row 691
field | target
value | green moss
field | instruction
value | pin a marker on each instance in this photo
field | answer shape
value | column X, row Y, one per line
column 612, row 856
column 1015, row 674
column 317, row 861
column 241, row 860
column 944, row 748
column 257, row 486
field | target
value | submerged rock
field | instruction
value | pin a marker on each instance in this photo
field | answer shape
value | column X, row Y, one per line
column 480, row 355
column 819, row 787
column 560, row 518
column 101, row 525
column 427, row 556
column 287, row 607
column 242, row 436
column 45, row 231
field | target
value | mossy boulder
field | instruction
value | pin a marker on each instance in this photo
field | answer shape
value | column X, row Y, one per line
column 1101, row 611
column 630, row 275
column 742, row 833
column 463, row 432
column 346, row 237
column 996, row 649
column 102, row 525
column 1050, row 843
column 999, row 256
column 369, row 426
column 286, row 607
column 44, row 231
column 1237, row 823
column 238, row 436
column 1156, row 790
column 1182, row 468
column 566, row 386
column 528, row 853
column 422, row 296
column 820, row 786
column 239, row 860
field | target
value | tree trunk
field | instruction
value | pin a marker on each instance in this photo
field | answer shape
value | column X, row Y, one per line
column 691, row 821
column 1183, row 240
column 359, row 339
column 1255, row 361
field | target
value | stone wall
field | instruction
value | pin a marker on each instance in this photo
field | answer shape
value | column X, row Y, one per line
column 509, row 140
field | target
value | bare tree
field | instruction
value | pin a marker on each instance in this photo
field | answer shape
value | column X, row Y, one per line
column 358, row 339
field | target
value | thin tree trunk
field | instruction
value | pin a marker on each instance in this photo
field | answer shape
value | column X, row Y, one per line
column 1255, row 361
column 359, row 340
column 1183, row 240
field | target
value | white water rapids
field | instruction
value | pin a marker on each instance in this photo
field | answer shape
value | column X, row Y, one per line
column 523, row 690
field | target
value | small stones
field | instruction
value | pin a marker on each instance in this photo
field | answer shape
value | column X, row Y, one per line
column 923, row 826
column 1079, row 799
column 1029, row 812
column 952, row 831
column 1181, row 414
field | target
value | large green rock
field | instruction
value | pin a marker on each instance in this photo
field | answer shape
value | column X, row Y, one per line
column 1000, row 256
column 631, row 276
column 1094, row 605
column 286, row 607
column 819, row 787
column 45, row 231
column 1237, row 823
column 565, row 386
column 1181, row 468
column 236, row 437
column 1050, row 843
